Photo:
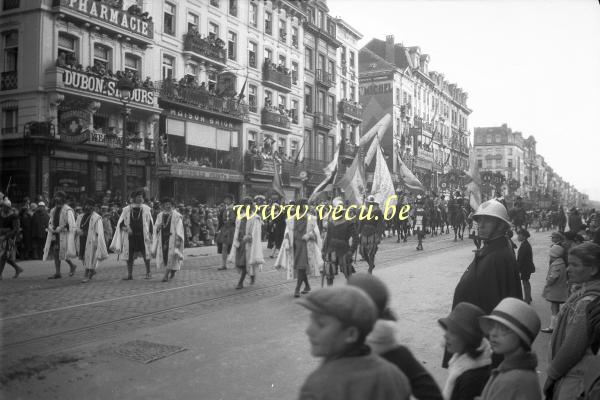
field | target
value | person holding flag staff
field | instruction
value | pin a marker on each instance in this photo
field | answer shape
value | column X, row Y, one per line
column 133, row 234
column 168, row 240
column 91, row 245
column 370, row 231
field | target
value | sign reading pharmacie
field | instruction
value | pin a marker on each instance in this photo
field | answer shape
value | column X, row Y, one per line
column 99, row 10
column 107, row 87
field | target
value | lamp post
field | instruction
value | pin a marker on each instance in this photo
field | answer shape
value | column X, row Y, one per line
column 125, row 87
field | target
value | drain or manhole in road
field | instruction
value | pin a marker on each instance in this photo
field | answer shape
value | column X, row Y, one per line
column 146, row 352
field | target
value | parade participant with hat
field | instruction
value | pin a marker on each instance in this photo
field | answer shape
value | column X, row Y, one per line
column 525, row 263
column 341, row 319
column 246, row 250
column 511, row 329
column 493, row 274
column 517, row 214
column 133, row 234
column 339, row 245
column 9, row 229
column 419, row 226
column 89, row 239
column 168, row 240
column 382, row 339
column 300, row 253
column 60, row 241
column 370, row 231
column 226, row 230
column 469, row 367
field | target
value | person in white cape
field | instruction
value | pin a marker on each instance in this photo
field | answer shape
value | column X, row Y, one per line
column 133, row 234
column 60, row 241
column 300, row 253
column 89, row 241
column 168, row 240
column 246, row 251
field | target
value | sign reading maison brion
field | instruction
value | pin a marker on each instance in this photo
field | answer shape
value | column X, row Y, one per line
column 111, row 15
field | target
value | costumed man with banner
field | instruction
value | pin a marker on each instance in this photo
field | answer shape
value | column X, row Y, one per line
column 168, row 240
column 300, row 253
column 226, row 231
column 339, row 245
column 60, row 241
column 246, row 251
column 370, row 231
column 133, row 234
column 90, row 242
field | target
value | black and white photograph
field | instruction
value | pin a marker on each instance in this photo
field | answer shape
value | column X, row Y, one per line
column 299, row 199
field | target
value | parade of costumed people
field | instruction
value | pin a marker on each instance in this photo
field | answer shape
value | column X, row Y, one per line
column 168, row 240
column 90, row 242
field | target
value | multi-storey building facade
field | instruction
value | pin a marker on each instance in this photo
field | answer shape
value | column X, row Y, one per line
column 61, row 108
column 429, row 115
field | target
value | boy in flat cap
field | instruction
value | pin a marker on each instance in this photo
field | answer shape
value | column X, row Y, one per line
column 341, row 318
column 90, row 239
column 133, row 234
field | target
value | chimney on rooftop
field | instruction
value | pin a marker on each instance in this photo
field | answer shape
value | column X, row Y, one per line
column 389, row 49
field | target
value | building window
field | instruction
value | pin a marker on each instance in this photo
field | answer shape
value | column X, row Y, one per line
column 11, row 50
column 212, row 81
column 102, row 56
column 253, row 15
column 352, row 93
column 294, row 149
column 268, row 55
column 282, row 60
column 282, row 30
column 233, row 8
column 268, row 23
column 321, row 102
column 294, row 36
column 331, row 105
column 281, row 146
column 498, row 139
column 133, row 63
column 168, row 67
column 252, row 103
column 308, row 141
column 231, row 45
column 308, row 58
column 193, row 23
column 67, row 47
column 308, row 99
column 252, row 48
column 10, row 4
column 214, row 3
column 294, row 72
column 331, row 68
column 320, row 18
column 213, row 30
column 488, row 139
column 268, row 99
column 10, row 118
column 169, row 19
column 282, row 102
column 321, row 147
column 352, row 61
column 510, row 163
column 252, row 135
column 191, row 69
column 295, row 111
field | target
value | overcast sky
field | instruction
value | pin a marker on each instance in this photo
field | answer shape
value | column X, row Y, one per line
column 534, row 65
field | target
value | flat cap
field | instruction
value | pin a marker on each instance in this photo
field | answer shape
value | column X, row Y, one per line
column 349, row 304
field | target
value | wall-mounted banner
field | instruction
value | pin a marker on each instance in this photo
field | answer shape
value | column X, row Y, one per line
column 106, row 87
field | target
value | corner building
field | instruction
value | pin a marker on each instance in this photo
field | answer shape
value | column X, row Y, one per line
column 61, row 114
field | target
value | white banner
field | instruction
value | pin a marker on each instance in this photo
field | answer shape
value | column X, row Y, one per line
column 201, row 135
column 383, row 186
column 175, row 127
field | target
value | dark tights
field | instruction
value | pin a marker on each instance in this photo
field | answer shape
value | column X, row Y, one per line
column 302, row 278
column 243, row 276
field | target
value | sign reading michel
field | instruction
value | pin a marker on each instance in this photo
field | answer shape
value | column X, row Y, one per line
column 95, row 9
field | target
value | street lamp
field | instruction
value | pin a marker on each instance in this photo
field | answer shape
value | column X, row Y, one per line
column 125, row 87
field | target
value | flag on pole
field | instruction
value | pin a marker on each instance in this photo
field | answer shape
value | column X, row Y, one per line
column 277, row 184
column 408, row 178
column 383, row 186
column 353, row 182
column 242, row 95
column 330, row 175
column 474, row 186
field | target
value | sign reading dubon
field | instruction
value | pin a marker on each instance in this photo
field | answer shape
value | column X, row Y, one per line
column 107, row 87
column 111, row 15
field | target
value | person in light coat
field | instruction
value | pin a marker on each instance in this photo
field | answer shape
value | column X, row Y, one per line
column 168, row 240
column 556, row 290
column 60, row 241
column 89, row 241
column 300, row 253
column 246, row 251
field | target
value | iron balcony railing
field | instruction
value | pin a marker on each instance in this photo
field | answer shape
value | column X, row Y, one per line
column 206, row 47
column 195, row 96
column 8, row 80
column 325, row 78
column 277, row 77
column 324, row 120
column 275, row 118
column 351, row 109
column 11, row 4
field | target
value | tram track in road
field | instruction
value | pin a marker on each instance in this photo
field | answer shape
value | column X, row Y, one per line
column 69, row 338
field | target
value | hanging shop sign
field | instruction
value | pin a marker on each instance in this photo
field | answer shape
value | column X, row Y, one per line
column 209, row 120
column 106, row 87
column 74, row 126
column 98, row 10
column 186, row 171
